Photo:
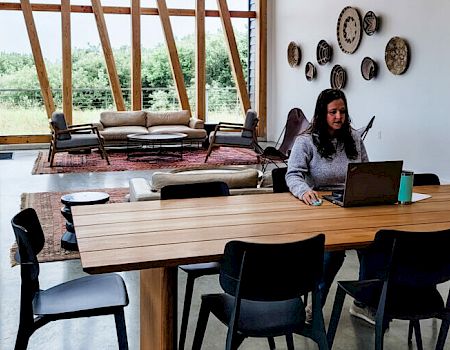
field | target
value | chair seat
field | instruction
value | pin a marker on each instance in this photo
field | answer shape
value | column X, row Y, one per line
column 272, row 152
column 231, row 138
column 86, row 293
column 259, row 318
column 202, row 269
column 401, row 301
column 79, row 140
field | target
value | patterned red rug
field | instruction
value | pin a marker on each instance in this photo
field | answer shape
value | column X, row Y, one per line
column 81, row 163
column 48, row 208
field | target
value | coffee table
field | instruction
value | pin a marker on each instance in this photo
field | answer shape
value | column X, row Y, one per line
column 155, row 145
column 69, row 239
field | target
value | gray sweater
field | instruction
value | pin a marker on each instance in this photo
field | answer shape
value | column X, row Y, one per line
column 308, row 170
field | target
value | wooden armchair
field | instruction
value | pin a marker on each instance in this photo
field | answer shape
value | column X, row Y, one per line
column 73, row 138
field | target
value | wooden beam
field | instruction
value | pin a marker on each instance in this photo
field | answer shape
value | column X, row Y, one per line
column 116, row 10
column 261, row 66
column 38, row 58
column 66, row 61
column 136, row 76
column 173, row 55
column 236, row 66
column 19, row 139
column 109, row 57
column 200, row 60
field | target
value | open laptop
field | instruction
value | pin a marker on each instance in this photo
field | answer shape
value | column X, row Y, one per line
column 369, row 183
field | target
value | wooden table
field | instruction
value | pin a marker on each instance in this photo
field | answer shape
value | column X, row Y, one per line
column 156, row 236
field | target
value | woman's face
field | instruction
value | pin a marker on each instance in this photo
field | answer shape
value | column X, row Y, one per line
column 336, row 114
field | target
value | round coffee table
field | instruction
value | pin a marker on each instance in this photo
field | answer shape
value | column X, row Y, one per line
column 69, row 239
column 144, row 145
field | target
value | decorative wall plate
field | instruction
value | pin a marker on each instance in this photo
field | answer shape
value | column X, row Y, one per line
column 349, row 29
column 310, row 71
column 370, row 23
column 324, row 52
column 338, row 77
column 397, row 55
column 369, row 68
column 293, row 54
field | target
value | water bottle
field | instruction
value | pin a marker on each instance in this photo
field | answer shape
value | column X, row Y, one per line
column 406, row 187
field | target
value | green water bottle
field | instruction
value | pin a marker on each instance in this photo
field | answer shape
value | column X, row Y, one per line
column 406, row 187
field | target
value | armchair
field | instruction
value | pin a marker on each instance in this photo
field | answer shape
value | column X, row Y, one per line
column 73, row 137
column 236, row 135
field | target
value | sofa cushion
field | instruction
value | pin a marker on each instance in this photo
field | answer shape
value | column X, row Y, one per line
column 119, row 133
column 113, row 118
column 168, row 118
column 234, row 177
column 191, row 133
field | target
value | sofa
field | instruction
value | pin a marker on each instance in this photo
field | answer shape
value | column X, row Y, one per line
column 115, row 126
column 240, row 180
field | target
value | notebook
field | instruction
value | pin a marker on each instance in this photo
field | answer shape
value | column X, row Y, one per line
column 369, row 183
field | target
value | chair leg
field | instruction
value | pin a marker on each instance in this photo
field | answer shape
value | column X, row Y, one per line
column 103, row 153
column 121, row 329
column 443, row 332
column 335, row 315
column 186, row 307
column 209, row 151
column 201, row 326
column 52, row 156
column 23, row 336
column 271, row 342
column 290, row 341
column 418, row 334
column 410, row 332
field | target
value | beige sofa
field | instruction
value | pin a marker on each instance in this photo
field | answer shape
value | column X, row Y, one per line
column 115, row 126
column 240, row 181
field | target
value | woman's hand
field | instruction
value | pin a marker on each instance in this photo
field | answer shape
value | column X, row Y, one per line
column 310, row 196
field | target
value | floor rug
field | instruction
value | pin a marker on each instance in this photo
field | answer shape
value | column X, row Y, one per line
column 48, row 208
column 81, row 163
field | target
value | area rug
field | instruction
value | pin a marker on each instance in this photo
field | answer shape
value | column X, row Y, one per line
column 81, row 163
column 48, row 208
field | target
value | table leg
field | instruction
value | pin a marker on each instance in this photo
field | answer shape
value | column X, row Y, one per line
column 158, row 308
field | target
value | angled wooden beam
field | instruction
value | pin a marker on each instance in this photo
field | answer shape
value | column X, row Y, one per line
column 66, row 61
column 173, row 55
column 200, row 60
column 261, row 66
column 233, row 52
column 38, row 58
column 109, row 57
column 136, row 65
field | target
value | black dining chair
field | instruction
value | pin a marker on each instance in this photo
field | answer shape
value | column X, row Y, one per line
column 426, row 179
column 279, row 180
column 83, row 297
column 194, row 271
column 409, row 266
column 263, row 287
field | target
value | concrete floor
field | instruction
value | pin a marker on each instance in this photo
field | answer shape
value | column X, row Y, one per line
column 99, row 332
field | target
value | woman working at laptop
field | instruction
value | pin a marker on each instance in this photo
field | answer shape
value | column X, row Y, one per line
column 318, row 161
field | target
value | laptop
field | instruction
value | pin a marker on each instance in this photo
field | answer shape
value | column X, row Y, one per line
column 369, row 183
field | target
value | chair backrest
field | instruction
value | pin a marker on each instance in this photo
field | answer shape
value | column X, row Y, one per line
column 279, row 180
column 413, row 259
column 195, row 190
column 363, row 131
column 251, row 121
column 425, row 179
column 296, row 123
column 30, row 241
column 58, row 123
column 270, row 272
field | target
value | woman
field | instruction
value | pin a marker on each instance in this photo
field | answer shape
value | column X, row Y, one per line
column 319, row 159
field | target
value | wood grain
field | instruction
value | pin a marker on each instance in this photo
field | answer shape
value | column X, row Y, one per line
column 66, row 60
column 261, row 67
column 136, row 64
column 200, row 60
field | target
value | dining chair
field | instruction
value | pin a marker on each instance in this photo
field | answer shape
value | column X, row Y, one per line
column 83, row 297
column 73, row 138
column 235, row 134
column 263, row 287
column 194, row 271
column 296, row 123
column 426, row 179
column 402, row 285
column 279, row 180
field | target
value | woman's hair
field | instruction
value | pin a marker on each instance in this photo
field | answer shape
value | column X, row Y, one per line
column 319, row 127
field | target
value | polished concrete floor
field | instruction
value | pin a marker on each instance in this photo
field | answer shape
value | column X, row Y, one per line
column 99, row 332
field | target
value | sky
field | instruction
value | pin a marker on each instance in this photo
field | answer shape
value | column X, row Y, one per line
column 84, row 29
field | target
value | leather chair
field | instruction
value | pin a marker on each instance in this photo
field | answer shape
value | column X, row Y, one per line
column 236, row 135
column 83, row 297
column 73, row 138
column 263, row 288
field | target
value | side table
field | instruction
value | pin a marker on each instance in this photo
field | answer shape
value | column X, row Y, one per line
column 69, row 239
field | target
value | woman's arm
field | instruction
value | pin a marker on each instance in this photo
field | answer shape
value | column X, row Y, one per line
column 298, row 167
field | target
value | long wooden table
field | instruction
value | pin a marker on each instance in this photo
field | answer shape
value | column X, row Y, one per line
column 156, row 236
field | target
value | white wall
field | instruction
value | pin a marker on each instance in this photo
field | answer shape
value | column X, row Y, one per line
column 412, row 110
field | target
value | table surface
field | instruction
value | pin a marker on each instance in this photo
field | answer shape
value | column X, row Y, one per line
column 157, row 137
column 142, row 235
